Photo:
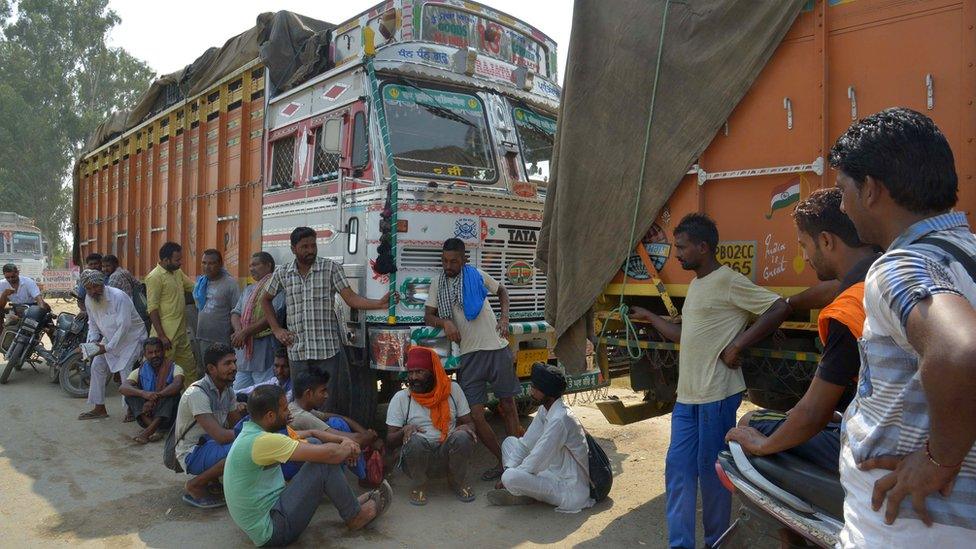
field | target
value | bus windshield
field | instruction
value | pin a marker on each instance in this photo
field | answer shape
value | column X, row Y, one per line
column 26, row 243
column 536, row 134
column 438, row 134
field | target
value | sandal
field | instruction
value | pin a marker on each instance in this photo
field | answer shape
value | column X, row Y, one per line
column 204, row 503
column 465, row 494
column 418, row 498
column 493, row 473
column 140, row 439
column 92, row 415
column 155, row 437
column 383, row 496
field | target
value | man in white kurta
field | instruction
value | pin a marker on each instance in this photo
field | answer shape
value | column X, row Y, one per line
column 116, row 326
column 547, row 463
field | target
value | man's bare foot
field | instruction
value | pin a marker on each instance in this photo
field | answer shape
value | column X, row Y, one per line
column 198, row 492
column 363, row 498
column 366, row 514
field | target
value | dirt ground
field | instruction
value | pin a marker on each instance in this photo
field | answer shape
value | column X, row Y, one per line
column 69, row 483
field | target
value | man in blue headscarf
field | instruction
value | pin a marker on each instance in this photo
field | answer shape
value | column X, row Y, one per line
column 457, row 303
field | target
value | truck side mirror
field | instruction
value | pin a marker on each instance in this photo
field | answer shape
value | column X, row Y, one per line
column 331, row 136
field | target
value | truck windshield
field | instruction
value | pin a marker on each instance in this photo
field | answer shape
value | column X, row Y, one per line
column 27, row 243
column 438, row 134
column 536, row 134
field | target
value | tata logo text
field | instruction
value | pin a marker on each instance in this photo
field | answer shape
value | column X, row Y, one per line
column 522, row 236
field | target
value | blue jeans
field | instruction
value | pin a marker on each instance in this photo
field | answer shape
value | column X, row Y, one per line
column 206, row 455
column 243, row 380
column 697, row 436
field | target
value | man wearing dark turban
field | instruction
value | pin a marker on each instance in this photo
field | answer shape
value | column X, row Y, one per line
column 549, row 463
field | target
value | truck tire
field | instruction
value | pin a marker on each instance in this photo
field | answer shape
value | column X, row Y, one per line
column 363, row 393
column 15, row 360
column 73, row 377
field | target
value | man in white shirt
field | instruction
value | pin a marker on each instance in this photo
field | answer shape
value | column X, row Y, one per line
column 431, row 420
column 117, row 328
column 549, row 463
column 18, row 290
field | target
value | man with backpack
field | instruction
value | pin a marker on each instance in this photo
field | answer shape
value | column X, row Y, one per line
column 550, row 463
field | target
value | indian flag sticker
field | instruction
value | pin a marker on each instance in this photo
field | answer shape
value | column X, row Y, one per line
column 783, row 196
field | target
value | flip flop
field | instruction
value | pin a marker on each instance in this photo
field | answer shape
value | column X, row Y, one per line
column 383, row 496
column 204, row 503
column 503, row 497
column 91, row 415
column 492, row 474
column 465, row 494
column 139, row 439
column 155, row 437
column 418, row 498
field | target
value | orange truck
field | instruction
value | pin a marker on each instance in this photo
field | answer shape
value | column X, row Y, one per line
column 841, row 60
column 413, row 122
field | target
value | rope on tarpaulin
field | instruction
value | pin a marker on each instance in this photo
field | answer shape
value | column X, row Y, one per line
column 630, row 330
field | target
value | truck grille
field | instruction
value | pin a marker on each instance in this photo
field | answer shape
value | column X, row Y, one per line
column 494, row 258
column 524, row 301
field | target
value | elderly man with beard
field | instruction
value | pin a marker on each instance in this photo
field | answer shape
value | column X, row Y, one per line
column 117, row 328
column 252, row 336
column 152, row 392
column 432, row 421
column 536, row 466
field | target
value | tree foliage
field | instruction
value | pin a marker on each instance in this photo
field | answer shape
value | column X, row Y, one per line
column 58, row 80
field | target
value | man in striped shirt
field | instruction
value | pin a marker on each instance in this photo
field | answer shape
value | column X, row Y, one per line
column 908, row 462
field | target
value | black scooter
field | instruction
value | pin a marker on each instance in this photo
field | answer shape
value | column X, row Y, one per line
column 783, row 498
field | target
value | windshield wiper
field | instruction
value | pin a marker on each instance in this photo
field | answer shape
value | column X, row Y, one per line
column 446, row 113
column 438, row 109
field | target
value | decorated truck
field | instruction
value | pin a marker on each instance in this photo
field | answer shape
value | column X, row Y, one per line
column 414, row 122
column 22, row 244
column 745, row 101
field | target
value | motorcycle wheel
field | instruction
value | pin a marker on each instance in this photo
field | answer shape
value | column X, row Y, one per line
column 15, row 360
column 73, row 377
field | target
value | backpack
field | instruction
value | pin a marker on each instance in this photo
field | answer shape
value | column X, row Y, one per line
column 599, row 473
column 169, row 446
column 169, row 443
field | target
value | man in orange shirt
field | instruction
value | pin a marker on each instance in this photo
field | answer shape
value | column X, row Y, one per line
column 811, row 430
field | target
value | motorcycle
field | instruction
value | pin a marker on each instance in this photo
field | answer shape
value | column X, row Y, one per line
column 73, row 373
column 21, row 339
column 783, row 497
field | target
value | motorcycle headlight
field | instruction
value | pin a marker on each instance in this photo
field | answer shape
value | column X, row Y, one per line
column 416, row 294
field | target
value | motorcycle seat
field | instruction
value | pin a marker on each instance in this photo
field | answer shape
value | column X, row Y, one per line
column 811, row 483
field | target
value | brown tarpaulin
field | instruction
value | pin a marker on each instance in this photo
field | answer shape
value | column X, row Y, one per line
column 293, row 47
column 713, row 51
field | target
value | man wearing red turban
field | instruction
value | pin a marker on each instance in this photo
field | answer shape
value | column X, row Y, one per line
column 432, row 422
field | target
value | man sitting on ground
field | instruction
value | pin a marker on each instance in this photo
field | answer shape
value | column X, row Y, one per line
column 432, row 421
column 152, row 392
column 281, row 378
column 206, row 413
column 831, row 246
column 550, row 462
column 260, row 504
column 311, row 392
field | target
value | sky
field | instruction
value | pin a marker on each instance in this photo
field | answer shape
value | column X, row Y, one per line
column 171, row 38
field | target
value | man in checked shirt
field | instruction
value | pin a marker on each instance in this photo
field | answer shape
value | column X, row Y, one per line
column 310, row 284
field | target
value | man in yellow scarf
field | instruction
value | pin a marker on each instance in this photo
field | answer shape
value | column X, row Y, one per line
column 432, row 422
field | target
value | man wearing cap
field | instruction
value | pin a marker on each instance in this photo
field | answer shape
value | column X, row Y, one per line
column 115, row 325
column 431, row 420
column 548, row 463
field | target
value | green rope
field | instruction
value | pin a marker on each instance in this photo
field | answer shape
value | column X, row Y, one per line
column 630, row 331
